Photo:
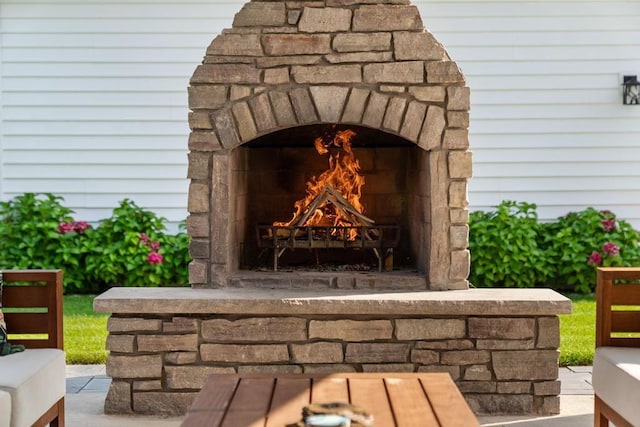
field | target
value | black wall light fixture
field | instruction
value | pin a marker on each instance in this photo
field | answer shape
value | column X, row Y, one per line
column 630, row 90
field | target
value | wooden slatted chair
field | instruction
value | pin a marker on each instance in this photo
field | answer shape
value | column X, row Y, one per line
column 35, row 378
column 616, row 365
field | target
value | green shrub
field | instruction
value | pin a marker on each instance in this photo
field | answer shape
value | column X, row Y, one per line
column 580, row 241
column 504, row 247
column 131, row 248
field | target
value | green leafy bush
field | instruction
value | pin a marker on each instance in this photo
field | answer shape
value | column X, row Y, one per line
column 504, row 247
column 131, row 248
column 580, row 241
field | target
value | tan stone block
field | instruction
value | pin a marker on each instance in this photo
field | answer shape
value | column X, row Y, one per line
column 256, row 14
column 355, row 105
column 395, row 111
column 238, row 92
column 377, row 353
column 477, row 386
column 315, row 74
column 458, row 119
column 263, row 113
column 389, row 367
column 296, row 44
column 387, row 18
column 428, row 93
column 226, row 73
column 525, row 365
column 459, row 98
column 425, row 357
column 293, row 16
column 456, row 139
column 546, row 405
column 279, row 61
column 163, row 403
column 444, row 72
column 199, row 120
column 282, row 108
column 236, row 45
column 459, row 236
column 429, row 329
column 501, row 327
column 207, row 96
column 318, row 352
column 199, row 164
column 276, row 76
column 351, row 330
column 269, row 369
column 454, row 371
column 198, row 201
column 465, row 357
column 432, row 129
column 413, row 120
column 548, row 332
column 460, row 164
column 191, row 377
column 249, row 353
column 198, row 272
column 265, row 329
column 493, row 344
column 393, row 88
column 361, row 42
column 159, row 343
column 146, row 366
column 183, row 325
column 477, row 373
column 198, row 225
column 133, row 324
column 546, row 388
column 246, row 126
column 394, row 72
column 147, row 385
column 121, row 343
column 458, row 198
column 417, row 45
column 226, row 127
column 303, row 106
column 376, row 108
column 203, row 141
column 324, row 20
column 339, row 58
column 329, row 101
column 500, row 403
column 181, row 357
column 118, row 400
column 514, row 387
column 460, row 266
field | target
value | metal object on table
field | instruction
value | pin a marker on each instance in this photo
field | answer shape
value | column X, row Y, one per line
column 377, row 238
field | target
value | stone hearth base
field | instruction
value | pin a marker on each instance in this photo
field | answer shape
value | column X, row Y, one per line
column 499, row 345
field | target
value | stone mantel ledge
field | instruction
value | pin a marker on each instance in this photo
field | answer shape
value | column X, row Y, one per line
column 260, row 301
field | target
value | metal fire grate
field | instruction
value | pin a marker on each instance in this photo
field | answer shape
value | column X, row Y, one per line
column 377, row 238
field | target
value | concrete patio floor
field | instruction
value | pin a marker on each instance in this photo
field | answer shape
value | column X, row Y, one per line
column 87, row 387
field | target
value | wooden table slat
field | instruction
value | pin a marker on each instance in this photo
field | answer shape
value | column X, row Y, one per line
column 371, row 395
column 445, row 401
column 289, row 397
column 325, row 390
column 253, row 394
column 244, row 419
column 203, row 418
column 409, row 403
column 218, row 397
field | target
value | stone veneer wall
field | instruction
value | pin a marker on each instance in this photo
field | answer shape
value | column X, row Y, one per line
column 296, row 63
column 502, row 363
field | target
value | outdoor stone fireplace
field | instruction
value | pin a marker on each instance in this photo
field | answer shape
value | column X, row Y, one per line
column 268, row 101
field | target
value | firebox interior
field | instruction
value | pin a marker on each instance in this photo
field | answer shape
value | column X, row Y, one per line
column 270, row 174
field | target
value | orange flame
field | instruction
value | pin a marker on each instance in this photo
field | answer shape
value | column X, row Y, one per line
column 343, row 175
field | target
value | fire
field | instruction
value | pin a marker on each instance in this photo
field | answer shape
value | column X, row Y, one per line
column 342, row 177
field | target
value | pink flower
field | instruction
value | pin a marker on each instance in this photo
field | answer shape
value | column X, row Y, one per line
column 144, row 238
column 610, row 249
column 65, row 227
column 607, row 212
column 608, row 224
column 594, row 259
column 154, row 246
column 80, row 226
column 154, row 258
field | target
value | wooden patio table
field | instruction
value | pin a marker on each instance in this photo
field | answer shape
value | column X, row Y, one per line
column 276, row 400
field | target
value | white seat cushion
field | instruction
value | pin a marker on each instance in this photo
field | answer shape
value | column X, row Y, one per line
column 616, row 380
column 35, row 379
column 5, row 409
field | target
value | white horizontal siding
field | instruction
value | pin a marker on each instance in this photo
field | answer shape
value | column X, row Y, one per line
column 93, row 102
column 547, row 122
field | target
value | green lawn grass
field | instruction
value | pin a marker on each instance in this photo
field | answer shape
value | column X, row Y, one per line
column 85, row 332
